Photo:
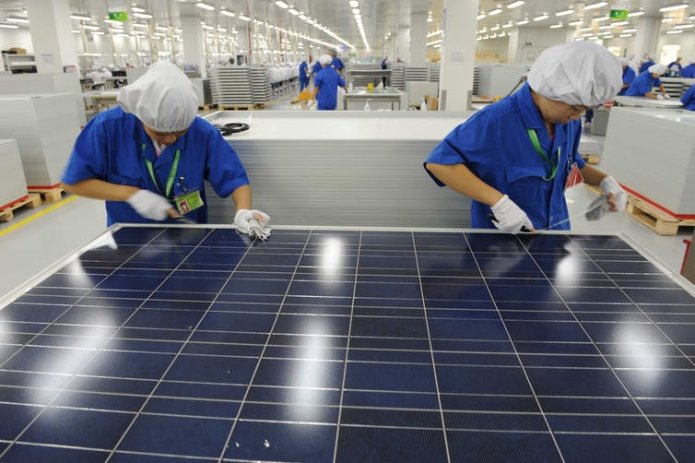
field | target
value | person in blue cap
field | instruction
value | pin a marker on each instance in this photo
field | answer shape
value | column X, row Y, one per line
column 514, row 158
column 688, row 99
column 629, row 75
column 150, row 156
column 644, row 84
column 326, row 85
column 304, row 78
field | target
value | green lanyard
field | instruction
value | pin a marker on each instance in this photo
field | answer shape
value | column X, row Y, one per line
column 172, row 174
column 537, row 145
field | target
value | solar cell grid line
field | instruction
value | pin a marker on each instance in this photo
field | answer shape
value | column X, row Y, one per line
column 528, row 380
column 227, row 441
column 607, row 363
column 154, row 390
column 17, row 437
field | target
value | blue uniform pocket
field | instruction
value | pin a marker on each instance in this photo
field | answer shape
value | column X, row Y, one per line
column 122, row 180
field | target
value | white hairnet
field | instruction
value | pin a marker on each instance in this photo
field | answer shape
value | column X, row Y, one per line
column 657, row 69
column 577, row 73
column 163, row 98
column 325, row 60
column 626, row 61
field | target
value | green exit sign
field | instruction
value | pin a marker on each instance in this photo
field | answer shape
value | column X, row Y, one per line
column 121, row 16
column 619, row 15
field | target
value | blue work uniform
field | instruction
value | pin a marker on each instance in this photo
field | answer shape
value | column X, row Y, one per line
column 303, row 75
column 495, row 145
column 646, row 65
column 328, row 81
column 337, row 64
column 688, row 71
column 688, row 99
column 643, row 84
column 114, row 145
column 677, row 64
column 316, row 68
column 628, row 77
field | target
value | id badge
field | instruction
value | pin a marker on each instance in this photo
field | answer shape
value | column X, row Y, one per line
column 574, row 177
column 188, row 202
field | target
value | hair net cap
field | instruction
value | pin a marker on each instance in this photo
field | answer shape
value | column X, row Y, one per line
column 325, row 60
column 163, row 98
column 626, row 61
column 657, row 69
column 577, row 73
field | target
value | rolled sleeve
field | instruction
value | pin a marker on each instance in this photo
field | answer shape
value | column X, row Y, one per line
column 224, row 169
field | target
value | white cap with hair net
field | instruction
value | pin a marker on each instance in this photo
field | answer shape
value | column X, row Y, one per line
column 163, row 98
column 657, row 69
column 626, row 61
column 577, row 73
column 325, row 60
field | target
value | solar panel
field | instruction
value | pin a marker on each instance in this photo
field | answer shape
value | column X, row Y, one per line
column 195, row 344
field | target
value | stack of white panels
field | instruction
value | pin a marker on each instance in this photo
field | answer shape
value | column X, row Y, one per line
column 27, row 84
column 240, row 85
column 652, row 152
column 476, row 80
column 434, row 72
column 398, row 76
column 417, row 74
column 45, row 127
column 13, row 185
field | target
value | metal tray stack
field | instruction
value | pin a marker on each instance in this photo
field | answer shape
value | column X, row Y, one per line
column 417, row 74
column 240, row 86
column 476, row 80
column 398, row 76
column 435, row 72
column 45, row 127
column 13, row 185
column 260, row 85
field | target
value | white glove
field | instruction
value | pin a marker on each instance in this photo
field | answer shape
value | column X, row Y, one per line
column 667, row 96
column 509, row 217
column 149, row 205
column 254, row 223
column 660, row 96
column 610, row 186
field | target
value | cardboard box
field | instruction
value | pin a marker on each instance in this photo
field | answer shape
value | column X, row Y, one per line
column 18, row 51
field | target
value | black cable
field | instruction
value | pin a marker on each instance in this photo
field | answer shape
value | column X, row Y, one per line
column 232, row 128
column 521, row 81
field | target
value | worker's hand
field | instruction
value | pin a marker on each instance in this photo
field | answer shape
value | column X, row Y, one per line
column 617, row 198
column 151, row 205
column 650, row 96
column 667, row 96
column 660, row 96
column 254, row 223
column 509, row 217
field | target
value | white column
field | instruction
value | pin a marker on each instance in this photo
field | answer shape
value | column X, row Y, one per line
column 513, row 47
column 51, row 34
column 458, row 54
column 647, row 37
column 404, row 43
column 193, row 46
column 418, row 39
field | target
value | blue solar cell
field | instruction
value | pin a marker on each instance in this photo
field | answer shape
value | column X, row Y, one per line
column 499, row 447
column 390, row 377
column 379, row 445
column 21, row 416
column 212, row 369
column 21, row 452
column 608, row 448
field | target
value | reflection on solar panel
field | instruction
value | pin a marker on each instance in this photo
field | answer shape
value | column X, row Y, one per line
column 193, row 344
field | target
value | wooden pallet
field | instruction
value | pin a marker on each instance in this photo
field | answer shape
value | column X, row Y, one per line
column 49, row 195
column 651, row 216
column 591, row 158
column 30, row 202
column 247, row 107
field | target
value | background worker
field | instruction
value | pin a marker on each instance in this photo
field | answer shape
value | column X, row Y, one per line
column 304, row 73
column 150, row 156
column 337, row 63
column 629, row 75
column 689, row 71
column 514, row 158
column 326, row 85
column 688, row 99
column 644, row 84
column 646, row 63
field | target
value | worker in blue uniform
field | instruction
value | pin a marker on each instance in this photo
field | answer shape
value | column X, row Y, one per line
column 149, row 157
column 629, row 75
column 689, row 71
column 326, row 85
column 644, row 84
column 337, row 63
column 304, row 73
column 516, row 157
column 646, row 63
column 675, row 67
column 688, row 99
column 316, row 68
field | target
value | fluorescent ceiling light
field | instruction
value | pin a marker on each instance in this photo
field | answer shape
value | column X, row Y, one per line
column 293, row 12
column 620, row 23
column 355, row 11
column 601, row 19
column 522, row 22
column 496, row 27
column 678, row 31
column 205, row 6
column 282, row 4
column 542, row 17
column 302, row 17
column 593, row 6
column 576, row 23
column 162, row 28
column 354, row 4
column 629, row 31
column 89, row 27
column 142, row 15
column 140, row 25
column 557, row 26
column 684, row 26
column 634, row 14
column 495, row 12
column 227, row 13
column 679, row 6
column 624, row 36
column 507, row 26
column 564, row 12
column 8, row 26
column 81, row 17
column 114, row 23
column 97, row 33
column 516, row 4
column 14, row 19
column 136, row 9
column 244, row 18
column 481, row 16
